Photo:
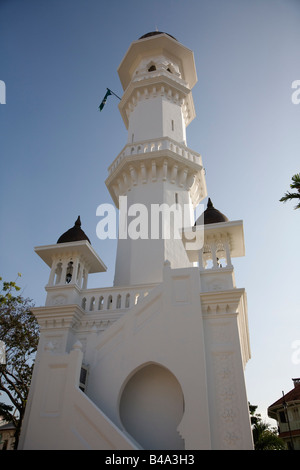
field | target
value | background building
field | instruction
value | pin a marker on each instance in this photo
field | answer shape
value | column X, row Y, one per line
column 7, row 433
column 286, row 411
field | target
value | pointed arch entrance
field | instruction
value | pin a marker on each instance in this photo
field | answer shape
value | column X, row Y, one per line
column 152, row 406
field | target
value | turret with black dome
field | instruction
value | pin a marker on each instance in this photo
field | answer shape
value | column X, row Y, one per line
column 74, row 234
column 211, row 215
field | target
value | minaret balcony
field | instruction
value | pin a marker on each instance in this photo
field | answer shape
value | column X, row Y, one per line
column 147, row 161
column 155, row 145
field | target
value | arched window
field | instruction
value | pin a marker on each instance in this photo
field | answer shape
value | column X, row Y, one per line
column 101, row 302
column 92, row 304
column 221, row 255
column 69, row 272
column 83, row 303
column 119, row 301
column 109, row 302
column 127, row 303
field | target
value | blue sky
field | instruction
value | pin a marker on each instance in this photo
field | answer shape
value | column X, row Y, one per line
column 58, row 57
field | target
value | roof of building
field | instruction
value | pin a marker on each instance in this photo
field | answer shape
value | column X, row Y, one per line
column 7, row 426
column 292, row 395
column 211, row 215
column 74, row 234
column 155, row 33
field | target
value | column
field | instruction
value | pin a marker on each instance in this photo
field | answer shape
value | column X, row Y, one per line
column 52, row 274
column 63, row 272
column 200, row 260
column 85, row 278
column 214, row 254
column 228, row 256
column 74, row 272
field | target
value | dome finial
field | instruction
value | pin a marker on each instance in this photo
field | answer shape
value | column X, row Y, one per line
column 74, row 234
column 78, row 221
column 211, row 215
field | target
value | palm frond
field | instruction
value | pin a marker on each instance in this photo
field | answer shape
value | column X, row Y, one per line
column 288, row 196
column 296, row 181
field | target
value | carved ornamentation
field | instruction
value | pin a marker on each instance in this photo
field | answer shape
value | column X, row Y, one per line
column 227, row 401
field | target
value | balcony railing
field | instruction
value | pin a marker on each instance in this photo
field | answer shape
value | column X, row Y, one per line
column 155, row 145
column 113, row 298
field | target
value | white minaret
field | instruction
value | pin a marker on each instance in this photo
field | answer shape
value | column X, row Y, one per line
column 155, row 170
column 160, row 356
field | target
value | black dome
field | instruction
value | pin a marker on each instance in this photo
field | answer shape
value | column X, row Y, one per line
column 74, row 234
column 155, row 33
column 212, row 215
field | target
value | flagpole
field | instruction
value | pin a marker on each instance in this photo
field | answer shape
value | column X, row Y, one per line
column 114, row 93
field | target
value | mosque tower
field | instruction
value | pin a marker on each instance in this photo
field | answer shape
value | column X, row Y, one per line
column 156, row 171
column 157, row 361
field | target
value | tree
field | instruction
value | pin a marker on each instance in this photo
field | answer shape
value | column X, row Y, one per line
column 294, row 185
column 19, row 334
column 264, row 437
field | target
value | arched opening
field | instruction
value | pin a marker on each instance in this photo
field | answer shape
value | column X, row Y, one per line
column 151, row 408
column 92, row 304
column 119, row 298
column 69, row 272
column 109, row 302
column 101, row 303
column 152, row 68
column 127, row 302
column 221, row 255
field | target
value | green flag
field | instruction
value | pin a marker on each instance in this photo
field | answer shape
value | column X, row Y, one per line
column 104, row 99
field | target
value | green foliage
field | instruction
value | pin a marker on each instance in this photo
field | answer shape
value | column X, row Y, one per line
column 294, row 185
column 19, row 332
column 264, row 436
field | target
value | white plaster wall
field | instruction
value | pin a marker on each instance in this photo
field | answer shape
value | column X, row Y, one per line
column 145, row 120
column 202, row 357
column 152, row 118
column 141, row 261
column 176, row 130
column 61, row 417
column 228, row 403
column 202, row 351
column 165, row 328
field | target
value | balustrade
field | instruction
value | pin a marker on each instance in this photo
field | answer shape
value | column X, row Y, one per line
column 105, row 299
column 215, row 254
column 155, row 146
